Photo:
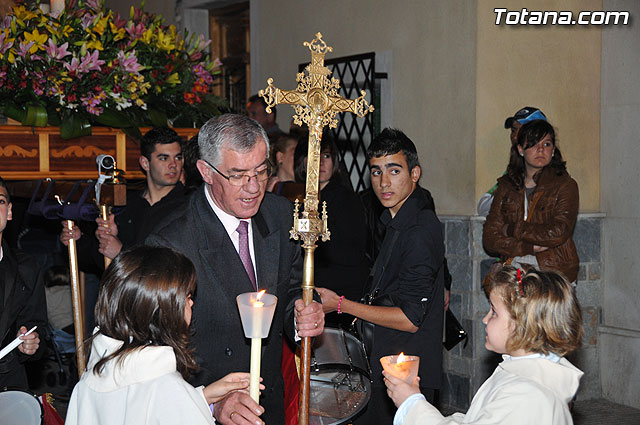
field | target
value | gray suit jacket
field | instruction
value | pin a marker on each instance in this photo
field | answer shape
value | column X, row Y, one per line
column 218, row 337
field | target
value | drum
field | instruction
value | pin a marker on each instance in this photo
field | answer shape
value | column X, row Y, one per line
column 340, row 378
column 19, row 407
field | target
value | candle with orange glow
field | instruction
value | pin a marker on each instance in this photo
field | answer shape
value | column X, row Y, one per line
column 401, row 366
column 257, row 317
column 256, row 313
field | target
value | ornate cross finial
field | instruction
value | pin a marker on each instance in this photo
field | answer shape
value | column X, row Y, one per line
column 318, row 45
column 316, row 103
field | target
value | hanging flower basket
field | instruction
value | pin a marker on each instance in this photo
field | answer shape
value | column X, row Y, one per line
column 87, row 67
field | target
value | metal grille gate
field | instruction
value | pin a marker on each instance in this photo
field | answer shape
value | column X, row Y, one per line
column 353, row 134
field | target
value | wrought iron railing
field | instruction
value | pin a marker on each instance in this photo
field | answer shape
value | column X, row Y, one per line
column 353, row 135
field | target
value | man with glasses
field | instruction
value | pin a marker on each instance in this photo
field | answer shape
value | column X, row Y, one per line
column 238, row 239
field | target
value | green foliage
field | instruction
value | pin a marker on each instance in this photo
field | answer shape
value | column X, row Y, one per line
column 88, row 66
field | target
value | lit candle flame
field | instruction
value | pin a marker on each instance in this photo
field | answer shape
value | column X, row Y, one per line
column 401, row 358
column 257, row 302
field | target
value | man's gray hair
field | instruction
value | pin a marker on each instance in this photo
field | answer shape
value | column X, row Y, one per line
column 236, row 132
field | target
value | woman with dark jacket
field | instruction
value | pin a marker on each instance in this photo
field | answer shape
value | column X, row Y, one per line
column 340, row 263
column 536, row 205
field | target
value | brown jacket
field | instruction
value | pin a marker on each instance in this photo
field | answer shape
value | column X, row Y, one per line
column 552, row 221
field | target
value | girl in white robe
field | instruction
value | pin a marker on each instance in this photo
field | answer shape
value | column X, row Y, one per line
column 139, row 355
column 534, row 320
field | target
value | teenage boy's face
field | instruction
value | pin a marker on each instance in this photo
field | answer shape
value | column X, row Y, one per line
column 5, row 209
column 392, row 181
column 165, row 165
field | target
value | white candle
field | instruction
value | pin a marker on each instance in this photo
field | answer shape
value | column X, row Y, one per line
column 13, row 344
column 57, row 7
column 401, row 366
column 254, row 371
column 256, row 313
column 256, row 345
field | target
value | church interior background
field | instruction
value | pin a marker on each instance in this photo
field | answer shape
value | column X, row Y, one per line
column 447, row 75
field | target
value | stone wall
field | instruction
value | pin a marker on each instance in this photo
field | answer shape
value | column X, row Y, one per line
column 619, row 152
column 467, row 367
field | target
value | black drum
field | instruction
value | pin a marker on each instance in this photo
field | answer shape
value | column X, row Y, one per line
column 340, row 378
column 19, row 407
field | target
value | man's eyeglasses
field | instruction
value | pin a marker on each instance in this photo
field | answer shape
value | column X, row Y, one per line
column 261, row 174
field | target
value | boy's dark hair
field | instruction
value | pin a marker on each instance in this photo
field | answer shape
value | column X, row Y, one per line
column 155, row 136
column 255, row 98
column 191, row 155
column 3, row 184
column 390, row 142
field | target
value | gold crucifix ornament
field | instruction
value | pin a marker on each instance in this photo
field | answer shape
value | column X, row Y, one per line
column 316, row 103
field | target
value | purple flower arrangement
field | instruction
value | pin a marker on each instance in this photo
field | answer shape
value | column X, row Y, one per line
column 87, row 66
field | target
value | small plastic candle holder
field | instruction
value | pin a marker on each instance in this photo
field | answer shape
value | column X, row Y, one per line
column 401, row 366
column 256, row 312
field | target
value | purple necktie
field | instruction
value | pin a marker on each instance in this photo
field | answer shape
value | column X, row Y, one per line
column 243, row 250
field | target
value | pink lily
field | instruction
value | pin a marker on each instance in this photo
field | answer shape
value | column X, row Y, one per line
column 56, row 52
column 23, row 49
column 129, row 61
column 94, row 4
column 135, row 31
column 4, row 46
column 118, row 21
column 5, row 22
column 90, row 62
column 202, row 74
column 73, row 65
column 86, row 21
column 201, row 43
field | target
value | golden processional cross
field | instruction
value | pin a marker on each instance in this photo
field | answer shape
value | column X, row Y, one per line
column 316, row 103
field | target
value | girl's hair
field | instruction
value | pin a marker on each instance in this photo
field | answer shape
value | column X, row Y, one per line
column 544, row 308
column 281, row 144
column 327, row 144
column 142, row 302
column 528, row 136
column 191, row 155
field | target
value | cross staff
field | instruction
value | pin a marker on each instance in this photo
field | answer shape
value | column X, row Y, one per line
column 316, row 103
column 77, row 299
